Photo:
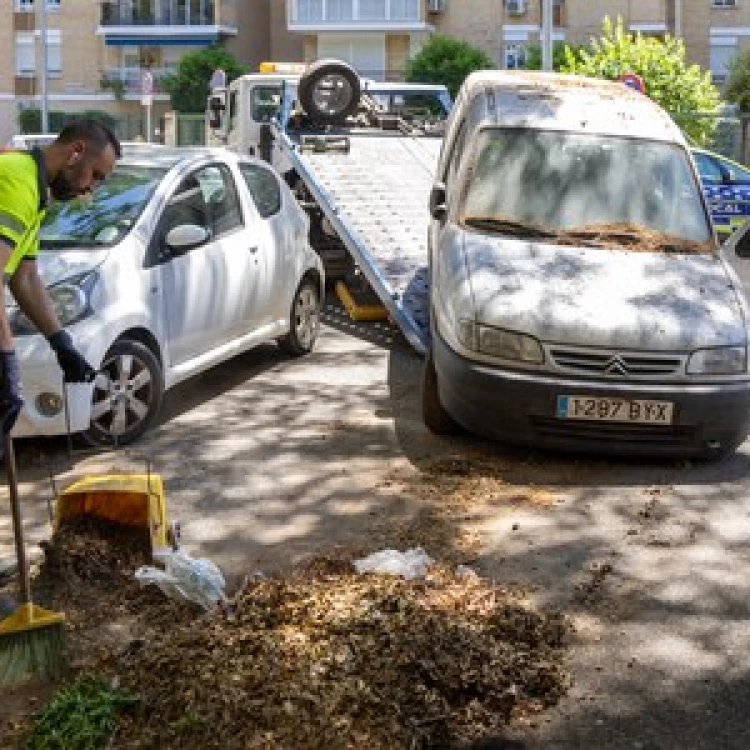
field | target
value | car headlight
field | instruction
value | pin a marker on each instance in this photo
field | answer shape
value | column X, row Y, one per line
column 70, row 298
column 723, row 360
column 497, row 342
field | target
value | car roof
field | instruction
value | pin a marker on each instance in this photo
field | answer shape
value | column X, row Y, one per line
column 166, row 157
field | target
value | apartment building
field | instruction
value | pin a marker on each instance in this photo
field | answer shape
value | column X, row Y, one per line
column 97, row 52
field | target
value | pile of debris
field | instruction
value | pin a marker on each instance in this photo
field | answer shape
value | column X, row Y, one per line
column 323, row 657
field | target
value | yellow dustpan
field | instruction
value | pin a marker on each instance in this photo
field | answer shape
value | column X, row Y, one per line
column 130, row 499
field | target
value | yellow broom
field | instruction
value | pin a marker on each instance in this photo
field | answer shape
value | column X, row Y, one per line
column 32, row 639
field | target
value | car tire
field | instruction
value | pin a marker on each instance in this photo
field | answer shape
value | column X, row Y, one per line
column 436, row 418
column 127, row 396
column 329, row 92
column 304, row 320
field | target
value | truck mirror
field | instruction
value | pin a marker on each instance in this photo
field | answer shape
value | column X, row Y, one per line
column 217, row 105
column 437, row 201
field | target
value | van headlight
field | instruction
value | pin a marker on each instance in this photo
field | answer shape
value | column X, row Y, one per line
column 723, row 360
column 497, row 342
column 70, row 298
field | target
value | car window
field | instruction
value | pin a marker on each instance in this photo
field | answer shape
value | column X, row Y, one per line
column 708, row 169
column 220, row 197
column 736, row 173
column 107, row 215
column 264, row 188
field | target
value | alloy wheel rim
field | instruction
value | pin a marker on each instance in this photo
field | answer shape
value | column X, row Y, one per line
column 306, row 316
column 123, row 393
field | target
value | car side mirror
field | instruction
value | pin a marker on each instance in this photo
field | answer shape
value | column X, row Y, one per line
column 185, row 237
column 217, row 105
column 438, row 209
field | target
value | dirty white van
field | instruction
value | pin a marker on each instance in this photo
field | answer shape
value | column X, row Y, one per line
column 579, row 298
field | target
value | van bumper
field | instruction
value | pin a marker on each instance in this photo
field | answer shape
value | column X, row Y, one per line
column 520, row 407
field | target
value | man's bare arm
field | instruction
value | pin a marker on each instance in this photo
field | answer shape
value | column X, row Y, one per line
column 33, row 298
column 6, row 337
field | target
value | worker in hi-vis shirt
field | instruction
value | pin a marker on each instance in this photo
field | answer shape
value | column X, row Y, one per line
column 73, row 165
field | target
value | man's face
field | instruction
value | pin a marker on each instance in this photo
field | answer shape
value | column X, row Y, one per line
column 85, row 169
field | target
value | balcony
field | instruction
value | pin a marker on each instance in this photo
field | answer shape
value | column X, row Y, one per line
column 166, row 22
column 356, row 15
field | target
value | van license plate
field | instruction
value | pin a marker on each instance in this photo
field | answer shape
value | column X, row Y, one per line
column 595, row 409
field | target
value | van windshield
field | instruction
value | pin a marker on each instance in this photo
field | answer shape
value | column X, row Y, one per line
column 585, row 188
column 108, row 215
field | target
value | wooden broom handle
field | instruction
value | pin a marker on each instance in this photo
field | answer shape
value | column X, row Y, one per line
column 15, row 509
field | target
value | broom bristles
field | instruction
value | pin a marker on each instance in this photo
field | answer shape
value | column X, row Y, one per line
column 32, row 644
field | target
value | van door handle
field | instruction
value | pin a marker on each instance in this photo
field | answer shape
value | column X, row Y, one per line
column 253, row 249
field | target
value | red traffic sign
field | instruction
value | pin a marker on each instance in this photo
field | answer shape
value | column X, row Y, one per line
column 633, row 81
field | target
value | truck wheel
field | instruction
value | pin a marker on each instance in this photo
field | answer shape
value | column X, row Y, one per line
column 434, row 415
column 329, row 91
column 304, row 320
column 127, row 395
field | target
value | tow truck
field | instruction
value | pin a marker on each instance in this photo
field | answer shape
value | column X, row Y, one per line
column 361, row 157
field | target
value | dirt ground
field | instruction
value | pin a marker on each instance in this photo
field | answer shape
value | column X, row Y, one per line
column 271, row 465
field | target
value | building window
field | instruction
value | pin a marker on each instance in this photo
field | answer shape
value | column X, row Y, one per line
column 720, row 57
column 515, row 56
column 25, row 55
column 724, row 3
column 27, row 6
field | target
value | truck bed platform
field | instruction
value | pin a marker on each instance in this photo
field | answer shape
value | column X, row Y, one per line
column 376, row 197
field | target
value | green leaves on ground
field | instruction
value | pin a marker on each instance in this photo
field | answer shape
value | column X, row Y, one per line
column 81, row 716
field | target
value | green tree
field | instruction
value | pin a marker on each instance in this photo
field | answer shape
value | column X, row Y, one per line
column 446, row 60
column 685, row 91
column 188, row 86
column 738, row 83
column 533, row 58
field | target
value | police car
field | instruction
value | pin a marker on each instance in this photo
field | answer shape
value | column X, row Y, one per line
column 727, row 187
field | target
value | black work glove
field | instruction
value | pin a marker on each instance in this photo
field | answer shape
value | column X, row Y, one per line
column 11, row 400
column 75, row 368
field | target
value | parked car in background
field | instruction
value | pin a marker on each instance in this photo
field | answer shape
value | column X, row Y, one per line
column 180, row 260
column 727, row 187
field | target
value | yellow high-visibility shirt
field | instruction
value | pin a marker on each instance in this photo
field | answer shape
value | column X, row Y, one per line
column 23, row 203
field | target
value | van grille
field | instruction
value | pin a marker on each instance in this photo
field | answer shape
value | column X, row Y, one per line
column 617, row 365
column 676, row 435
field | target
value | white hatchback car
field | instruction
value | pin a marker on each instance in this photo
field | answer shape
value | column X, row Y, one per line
column 181, row 260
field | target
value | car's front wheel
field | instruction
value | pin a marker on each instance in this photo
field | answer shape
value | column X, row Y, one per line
column 127, row 395
column 304, row 320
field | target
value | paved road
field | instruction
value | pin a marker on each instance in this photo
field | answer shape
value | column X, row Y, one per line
column 267, row 460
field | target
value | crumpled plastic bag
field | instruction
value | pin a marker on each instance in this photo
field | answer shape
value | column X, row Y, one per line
column 410, row 564
column 197, row 579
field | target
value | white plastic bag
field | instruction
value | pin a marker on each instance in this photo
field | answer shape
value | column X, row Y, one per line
column 410, row 564
column 196, row 579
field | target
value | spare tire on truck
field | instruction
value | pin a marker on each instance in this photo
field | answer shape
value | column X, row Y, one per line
column 329, row 91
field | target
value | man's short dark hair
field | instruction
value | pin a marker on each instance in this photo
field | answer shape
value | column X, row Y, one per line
column 92, row 131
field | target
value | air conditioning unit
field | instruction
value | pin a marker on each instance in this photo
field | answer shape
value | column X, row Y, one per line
column 436, row 6
column 515, row 7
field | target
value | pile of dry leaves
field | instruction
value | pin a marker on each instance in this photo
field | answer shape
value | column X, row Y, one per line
column 321, row 658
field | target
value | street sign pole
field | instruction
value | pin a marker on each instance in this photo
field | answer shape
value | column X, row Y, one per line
column 147, row 91
column 547, row 15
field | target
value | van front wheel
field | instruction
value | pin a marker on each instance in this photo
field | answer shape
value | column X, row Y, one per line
column 434, row 415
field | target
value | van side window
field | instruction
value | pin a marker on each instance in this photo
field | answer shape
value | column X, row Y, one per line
column 264, row 188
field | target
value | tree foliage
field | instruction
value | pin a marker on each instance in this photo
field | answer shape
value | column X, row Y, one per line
column 30, row 119
column 448, row 61
column 189, row 86
column 738, row 84
column 533, row 58
column 685, row 91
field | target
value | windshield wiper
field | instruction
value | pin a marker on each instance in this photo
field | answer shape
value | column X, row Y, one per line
column 507, row 226
column 72, row 243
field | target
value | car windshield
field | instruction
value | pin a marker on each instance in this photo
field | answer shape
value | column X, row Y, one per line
column 107, row 215
column 589, row 189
